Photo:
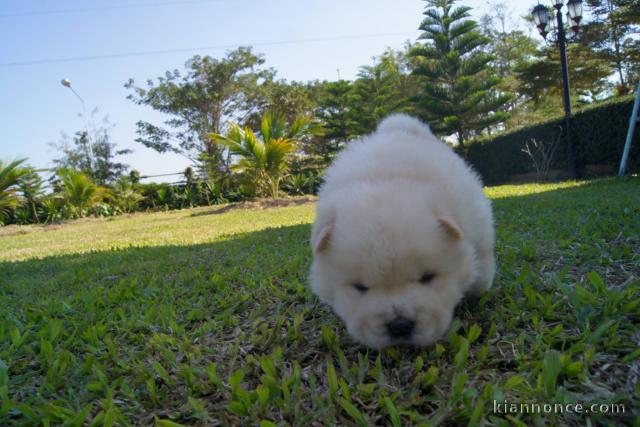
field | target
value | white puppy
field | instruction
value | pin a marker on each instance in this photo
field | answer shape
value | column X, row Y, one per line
column 402, row 232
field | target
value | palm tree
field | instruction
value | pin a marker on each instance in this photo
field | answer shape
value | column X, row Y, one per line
column 79, row 191
column 30, row 185
column 125, row 195
column 263, row 158
column 10, row 174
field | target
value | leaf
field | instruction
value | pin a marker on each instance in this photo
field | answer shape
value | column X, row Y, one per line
column 267, row 365
column 463, row 354
column 393, row 412
column 212, row 373
column 332, row 379
column 353, row 412
column 597, row 334
column 167, row 423
column 552, row 366
column 513, row 381
column 236, row 379
column 27, row 411
column 474, row 333
column 419, row 364
column 431, row 377
column 574, row 368
column 596, row 280
column 263, row 395
column 345, row 389
column 55, row 327
column 238, row 408
column 516, row 421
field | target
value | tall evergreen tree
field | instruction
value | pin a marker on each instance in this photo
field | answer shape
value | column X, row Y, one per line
column 377, row 92
column 334, row 109
column 458, row 93
column 613, row 30
column 509, row 47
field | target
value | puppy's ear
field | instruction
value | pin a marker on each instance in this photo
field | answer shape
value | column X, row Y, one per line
column 321, row 235
column 450, row 227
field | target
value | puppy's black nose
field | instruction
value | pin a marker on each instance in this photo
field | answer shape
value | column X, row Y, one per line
column 400, row 327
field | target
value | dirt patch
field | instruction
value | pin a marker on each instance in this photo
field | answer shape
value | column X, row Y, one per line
column 259, row 204
column 12, row 230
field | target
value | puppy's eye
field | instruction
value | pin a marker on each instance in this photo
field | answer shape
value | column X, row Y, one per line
column 427, row 278
column 360, row 287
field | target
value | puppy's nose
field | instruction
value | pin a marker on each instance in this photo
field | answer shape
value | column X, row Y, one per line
column 400, row 327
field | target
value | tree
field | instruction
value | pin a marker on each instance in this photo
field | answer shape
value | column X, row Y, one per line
column 210, row 94
column 334, row 109
column 509, row 48
column 282, row 98
column 30, row 185
column 613, row 28
column 541, row 79
column 377, row 93
column 458, row 93
column 124, row 195
column 263, row 158
column 10, row 173
column 79, row 191
column 92, row 153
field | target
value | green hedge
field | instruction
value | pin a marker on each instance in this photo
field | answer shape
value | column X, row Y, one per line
column 598, row 133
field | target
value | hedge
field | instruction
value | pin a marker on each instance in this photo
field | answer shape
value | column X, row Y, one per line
column 598, row 133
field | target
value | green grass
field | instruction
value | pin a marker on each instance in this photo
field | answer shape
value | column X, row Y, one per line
column 204, row 317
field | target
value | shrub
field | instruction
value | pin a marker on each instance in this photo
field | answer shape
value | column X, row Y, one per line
column 79, row 191
column 52, row 209
column 598, row 133
column 102, row 209
column 10, row 173
column 302, row 183
column 125, row 195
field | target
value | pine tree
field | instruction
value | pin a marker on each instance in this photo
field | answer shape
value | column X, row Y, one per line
column 612, row 37
column 334, row 109
column 378, row 92
column 458, row 92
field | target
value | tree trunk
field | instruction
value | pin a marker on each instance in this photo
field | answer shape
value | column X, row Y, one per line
column 460, row 139
column 616, row 45
column 35, row 214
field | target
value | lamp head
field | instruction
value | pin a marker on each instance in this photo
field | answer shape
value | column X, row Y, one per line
column 541, row 18
column 574, row 10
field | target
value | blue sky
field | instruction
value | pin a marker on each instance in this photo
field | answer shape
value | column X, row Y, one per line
column 35, row 108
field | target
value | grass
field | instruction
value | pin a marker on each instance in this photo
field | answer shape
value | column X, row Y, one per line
column 203, row 317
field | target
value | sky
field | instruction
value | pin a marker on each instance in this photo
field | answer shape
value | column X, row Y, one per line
column 41, row 38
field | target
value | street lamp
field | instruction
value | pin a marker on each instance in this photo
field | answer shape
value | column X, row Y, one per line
column 544, row 20
column 67, row 83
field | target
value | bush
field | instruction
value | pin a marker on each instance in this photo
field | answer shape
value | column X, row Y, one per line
column 598, row 133
column 301, row 184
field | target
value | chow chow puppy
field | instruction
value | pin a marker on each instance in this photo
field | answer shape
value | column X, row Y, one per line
column 402, row 232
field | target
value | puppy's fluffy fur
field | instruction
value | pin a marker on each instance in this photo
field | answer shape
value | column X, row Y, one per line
column 402, row 232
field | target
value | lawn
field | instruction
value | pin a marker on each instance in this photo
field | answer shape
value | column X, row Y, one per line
column 204, row 317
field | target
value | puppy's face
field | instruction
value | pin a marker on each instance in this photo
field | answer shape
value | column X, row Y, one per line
column 393, row 276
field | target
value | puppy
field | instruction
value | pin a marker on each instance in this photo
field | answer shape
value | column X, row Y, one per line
column 402, row 232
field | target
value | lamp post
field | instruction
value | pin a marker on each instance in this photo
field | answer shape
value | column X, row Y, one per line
column 67, row 83
column 548, row 23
